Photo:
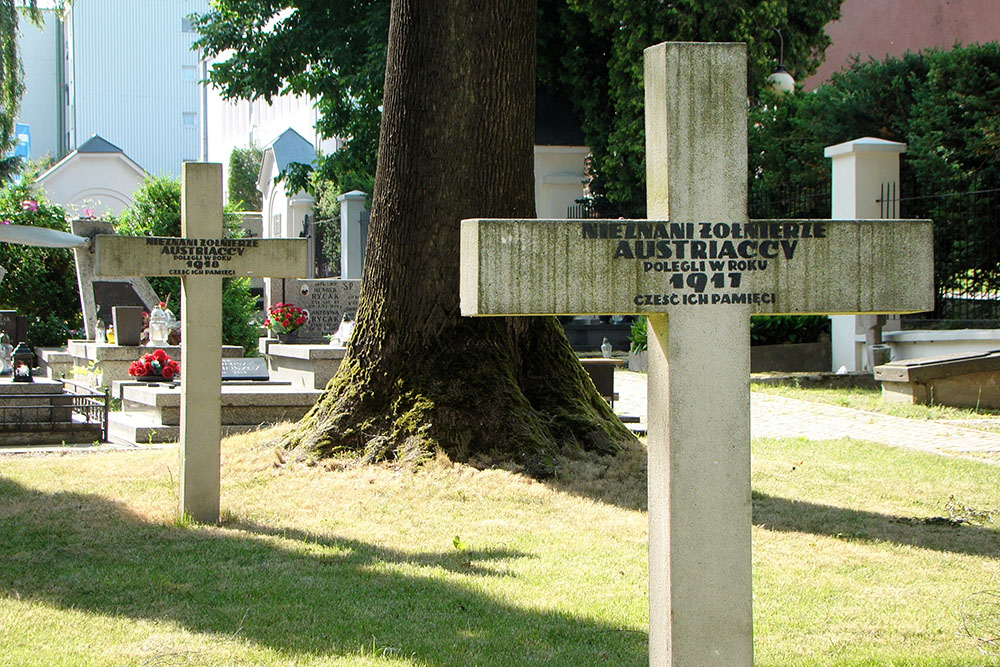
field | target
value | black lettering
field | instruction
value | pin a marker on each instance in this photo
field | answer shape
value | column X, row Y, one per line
column 623, row 251
column 727, row 250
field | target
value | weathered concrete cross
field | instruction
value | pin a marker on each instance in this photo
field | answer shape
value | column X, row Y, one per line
column 201, row 258
column 698, row 275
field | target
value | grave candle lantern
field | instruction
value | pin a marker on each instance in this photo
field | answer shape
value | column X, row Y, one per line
column 22, row 359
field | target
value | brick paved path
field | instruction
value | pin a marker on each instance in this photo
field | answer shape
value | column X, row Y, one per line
column 777, row 416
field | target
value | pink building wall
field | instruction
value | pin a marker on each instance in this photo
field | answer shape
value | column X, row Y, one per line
column 878, row 28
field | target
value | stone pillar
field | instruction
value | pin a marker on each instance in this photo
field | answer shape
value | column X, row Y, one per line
column 351, row 241
column 860, row 170
column 700, row 601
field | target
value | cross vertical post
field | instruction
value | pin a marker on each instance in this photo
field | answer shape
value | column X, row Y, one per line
column 699, row 361
column 201, row 350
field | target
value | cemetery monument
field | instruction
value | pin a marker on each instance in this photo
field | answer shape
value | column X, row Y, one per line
column 698, row 268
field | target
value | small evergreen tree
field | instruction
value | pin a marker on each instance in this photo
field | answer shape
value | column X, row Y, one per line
column 244, row 166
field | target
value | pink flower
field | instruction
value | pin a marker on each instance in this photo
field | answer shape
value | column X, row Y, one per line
column 88, row 213
column 29, row 205
column 4, row 222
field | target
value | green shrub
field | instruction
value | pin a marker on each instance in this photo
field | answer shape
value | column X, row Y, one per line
column 637, row 335
column 779, row 329
column 40, row 282
column 49, row 331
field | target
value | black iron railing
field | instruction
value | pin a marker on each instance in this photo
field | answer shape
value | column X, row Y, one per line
column 966, row 247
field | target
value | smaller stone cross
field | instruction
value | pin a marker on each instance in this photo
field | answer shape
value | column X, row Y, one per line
column 200, row 257
column 699, row 268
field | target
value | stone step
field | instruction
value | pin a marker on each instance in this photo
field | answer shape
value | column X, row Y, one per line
column 133, row 428
column 242, row 404
column 50, row 434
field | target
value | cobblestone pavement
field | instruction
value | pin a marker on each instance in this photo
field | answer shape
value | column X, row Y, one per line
column 777, row 416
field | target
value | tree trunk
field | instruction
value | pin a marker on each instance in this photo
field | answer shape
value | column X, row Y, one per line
column 456, row 142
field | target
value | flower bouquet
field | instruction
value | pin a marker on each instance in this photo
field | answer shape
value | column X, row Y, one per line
column 154, row 367
column 285, row 318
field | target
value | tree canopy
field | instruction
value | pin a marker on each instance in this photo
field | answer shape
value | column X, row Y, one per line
column 589, row 52
column 11, row 77
column 942, row 103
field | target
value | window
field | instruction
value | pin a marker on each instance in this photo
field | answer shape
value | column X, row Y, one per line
column 189, row 119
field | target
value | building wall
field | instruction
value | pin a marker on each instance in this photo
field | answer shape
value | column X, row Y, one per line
column 92, row 184
column 878, row 28
column 231, row 124
column 40, row 53
column 133, row 78
column 559, row 179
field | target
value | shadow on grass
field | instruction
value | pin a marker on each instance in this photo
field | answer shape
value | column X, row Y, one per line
column 785, row 514
column 621, row 481
column 295, row 592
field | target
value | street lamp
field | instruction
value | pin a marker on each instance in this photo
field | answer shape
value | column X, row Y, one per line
column 780, row 81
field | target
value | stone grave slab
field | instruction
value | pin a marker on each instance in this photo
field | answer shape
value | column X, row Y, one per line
column 967, row 380
column 245, row 368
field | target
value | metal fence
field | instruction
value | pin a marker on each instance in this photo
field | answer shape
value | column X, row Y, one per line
column 601, row 208
column 80, row 404
column 966, row 248
column 787, row 202
column 790, row 203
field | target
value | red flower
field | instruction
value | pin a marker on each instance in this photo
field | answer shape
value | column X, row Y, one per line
column 168, row 372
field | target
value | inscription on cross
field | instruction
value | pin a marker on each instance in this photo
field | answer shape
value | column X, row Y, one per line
column 201, row 257
column 698, row 268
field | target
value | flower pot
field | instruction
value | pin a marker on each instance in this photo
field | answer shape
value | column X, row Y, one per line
column 288, row 338
column 150, row 378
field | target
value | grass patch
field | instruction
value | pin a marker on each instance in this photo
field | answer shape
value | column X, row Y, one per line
column 871, row 400
column 449, row 565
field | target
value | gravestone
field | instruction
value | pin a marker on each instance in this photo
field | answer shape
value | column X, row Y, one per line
column 326, row 300
column 246, row 368
column 14, row 325
column 99, row 296
column 108, row 295
column 201, row 258
column 698, row 268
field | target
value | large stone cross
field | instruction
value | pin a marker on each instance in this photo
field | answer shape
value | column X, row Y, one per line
column 698, row 268
column 201, row 257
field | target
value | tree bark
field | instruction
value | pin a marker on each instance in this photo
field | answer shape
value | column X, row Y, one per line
column 456, row 142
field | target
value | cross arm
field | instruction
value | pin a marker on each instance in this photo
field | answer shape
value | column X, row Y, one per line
column 528, row 267
column 170, row 256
